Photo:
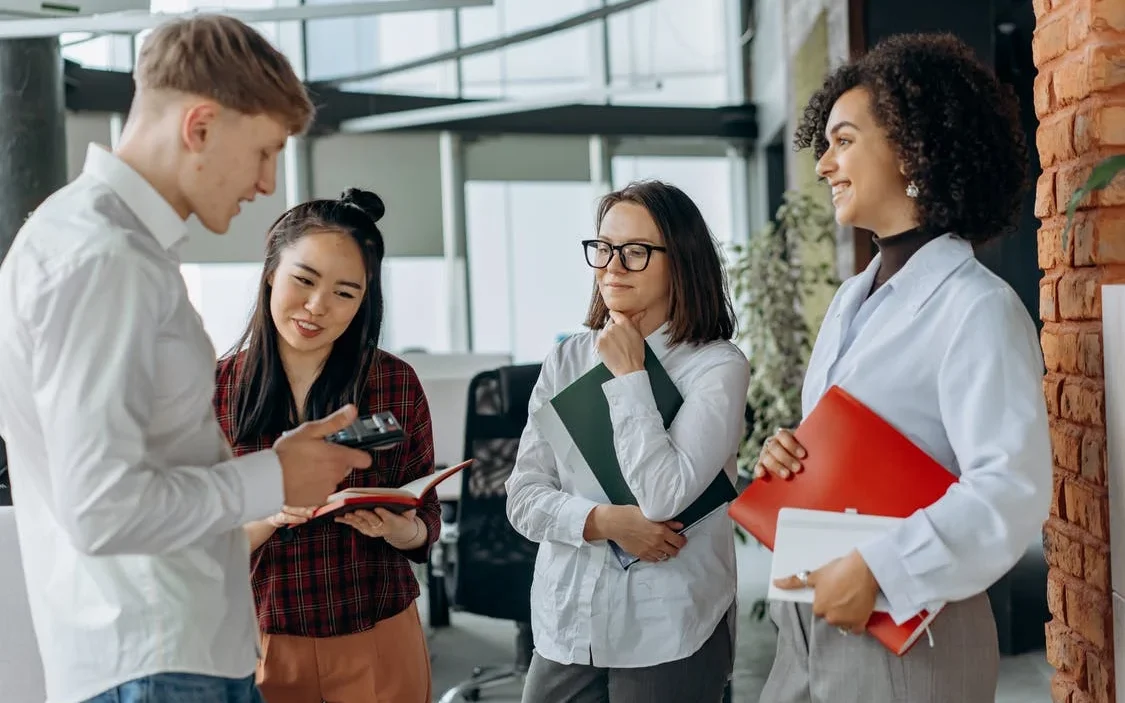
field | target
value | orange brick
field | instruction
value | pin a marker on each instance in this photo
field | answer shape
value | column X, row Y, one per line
column 1090, row 354
column 1064, row 653
column 1113, row 194
column 1055, row 137
column 1043, row 92
column 1052, row 390
column 1079, row 295
column 1088, row 614
column 1107, row 232
column 1097, row 126
column 1105, row 67
column 1096, row 563
column 1078, row 25
column 1066, row 445
column 1049, row 40
column 1107, row 15
column 1069, row 179
column 1051, row 250
column 1071, row 79
column 1083, row 402
column 1060, row 550
column 1048, row 305
column 1099, row 677
column 1058, row 496
column 1082, row 239
column 1063, row 688
column 1056, row 599
column 1042, row 7
column 1093, row 456
column 1087, row 506
column 1045, row 195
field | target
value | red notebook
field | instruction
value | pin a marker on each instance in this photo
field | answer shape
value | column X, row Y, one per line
column 856, row 460
column 406, row 497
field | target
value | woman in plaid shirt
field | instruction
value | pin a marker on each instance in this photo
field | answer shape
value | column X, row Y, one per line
column 335, row 598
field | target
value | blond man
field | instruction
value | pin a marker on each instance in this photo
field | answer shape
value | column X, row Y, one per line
column 130, row 504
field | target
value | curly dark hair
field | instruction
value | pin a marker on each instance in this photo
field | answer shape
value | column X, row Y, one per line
column 955, row 126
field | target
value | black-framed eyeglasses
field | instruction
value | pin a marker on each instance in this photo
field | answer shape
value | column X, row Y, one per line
column 634, row 256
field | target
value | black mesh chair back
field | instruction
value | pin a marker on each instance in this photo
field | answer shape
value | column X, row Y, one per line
column 494, row 563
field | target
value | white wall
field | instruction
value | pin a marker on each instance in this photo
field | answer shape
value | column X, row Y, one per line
column 1113, row 336
column 527, row 158
column 81, row 129
column 402, row 168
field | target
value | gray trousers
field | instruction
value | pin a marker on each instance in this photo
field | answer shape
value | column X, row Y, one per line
column 699, row 678
column 817, row 664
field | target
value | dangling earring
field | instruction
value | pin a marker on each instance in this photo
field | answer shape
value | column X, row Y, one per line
column 912, row 190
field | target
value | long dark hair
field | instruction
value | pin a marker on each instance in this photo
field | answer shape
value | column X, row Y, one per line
column 263, row 402
column 701, row 310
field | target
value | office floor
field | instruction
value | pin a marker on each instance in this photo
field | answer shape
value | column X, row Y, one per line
column 475, row 641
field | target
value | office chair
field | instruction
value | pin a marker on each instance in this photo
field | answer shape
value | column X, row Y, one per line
column 490, row 564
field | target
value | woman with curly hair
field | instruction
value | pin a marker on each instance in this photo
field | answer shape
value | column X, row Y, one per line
column 922, row 146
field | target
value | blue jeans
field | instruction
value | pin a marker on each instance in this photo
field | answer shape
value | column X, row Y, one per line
column 183, row 688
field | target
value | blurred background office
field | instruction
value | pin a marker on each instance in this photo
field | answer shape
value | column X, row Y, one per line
column 491, row 127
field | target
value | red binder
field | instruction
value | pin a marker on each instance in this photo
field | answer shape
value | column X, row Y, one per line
column 856, row 460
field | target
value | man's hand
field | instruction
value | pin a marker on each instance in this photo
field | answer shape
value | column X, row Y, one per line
column 620, row 345
column 290, row 516
column 845, row 591
column 633, row 532
column 312, row 468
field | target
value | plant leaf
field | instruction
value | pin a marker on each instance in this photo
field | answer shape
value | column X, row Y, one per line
column 1100, row 177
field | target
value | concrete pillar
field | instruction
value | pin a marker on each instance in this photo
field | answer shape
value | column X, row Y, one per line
column 32, row 129
column 32, row 144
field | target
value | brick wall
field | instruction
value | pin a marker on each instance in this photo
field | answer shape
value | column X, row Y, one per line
column 1079, row 48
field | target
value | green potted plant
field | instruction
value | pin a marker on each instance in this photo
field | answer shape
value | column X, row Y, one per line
column 770, row 277
column 1100, row 177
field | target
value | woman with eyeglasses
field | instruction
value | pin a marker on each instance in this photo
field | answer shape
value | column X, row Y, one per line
column 661, row 630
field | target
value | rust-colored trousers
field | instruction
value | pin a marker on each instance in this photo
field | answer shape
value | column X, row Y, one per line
column 389, row 663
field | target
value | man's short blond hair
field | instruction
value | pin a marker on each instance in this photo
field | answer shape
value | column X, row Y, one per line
column 226, row 60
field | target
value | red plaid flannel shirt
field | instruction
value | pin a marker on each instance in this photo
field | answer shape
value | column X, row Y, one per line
column 330, row 579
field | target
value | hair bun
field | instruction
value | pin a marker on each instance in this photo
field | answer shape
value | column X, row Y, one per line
column 365, row 200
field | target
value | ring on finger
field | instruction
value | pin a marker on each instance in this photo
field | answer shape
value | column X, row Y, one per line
column 803, row 577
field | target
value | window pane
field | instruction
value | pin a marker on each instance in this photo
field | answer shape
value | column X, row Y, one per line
column 223, row 294
column 490, row 265
column 527, row 270
column 705, row 179
column 416, row 312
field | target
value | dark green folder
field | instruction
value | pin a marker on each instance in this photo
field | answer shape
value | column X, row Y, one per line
column 583, row 409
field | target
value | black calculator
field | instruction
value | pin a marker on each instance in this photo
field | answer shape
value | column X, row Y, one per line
column 371, row 433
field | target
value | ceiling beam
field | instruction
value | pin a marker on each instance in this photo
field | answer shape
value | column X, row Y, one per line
column 97, row 90
column 126, row 22
column 484, row 108
column 486, row 46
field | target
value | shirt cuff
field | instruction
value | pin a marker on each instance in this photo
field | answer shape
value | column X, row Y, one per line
column 263, row 491
column 889, row 570
column 629, row 394
column 571, row 520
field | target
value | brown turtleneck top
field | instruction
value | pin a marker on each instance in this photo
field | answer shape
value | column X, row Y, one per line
column 896, row 250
